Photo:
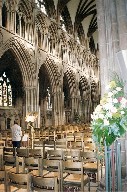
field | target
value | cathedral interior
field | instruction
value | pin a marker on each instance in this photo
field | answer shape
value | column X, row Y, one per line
column 56, row 58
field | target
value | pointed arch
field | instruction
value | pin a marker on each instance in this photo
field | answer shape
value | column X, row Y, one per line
column 25, row 63
column 84, row 87
column 53, row 73
column 71, row 80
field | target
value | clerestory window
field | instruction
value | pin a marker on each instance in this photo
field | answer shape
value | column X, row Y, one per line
column 5, row 91
column 41, row 5
column 62, row 23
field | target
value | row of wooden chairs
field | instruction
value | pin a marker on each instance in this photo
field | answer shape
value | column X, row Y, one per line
column 27, row 181
column 30, row 159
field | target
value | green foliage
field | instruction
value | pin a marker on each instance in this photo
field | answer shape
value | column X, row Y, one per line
column 109, row 120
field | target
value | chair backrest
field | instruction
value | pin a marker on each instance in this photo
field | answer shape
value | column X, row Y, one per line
column 48, row 145
column 55, row 154
column 49, row 165
column 31, row 161
column 35, row 153
column 61, row 144
column 45, row 183
column 77, row 145
column 79, row 136
column 19, row 179
column 89, row 156
column 8, row 154
column 22, row 152
column 38, row 144
column 73, row 155
column 72, row 167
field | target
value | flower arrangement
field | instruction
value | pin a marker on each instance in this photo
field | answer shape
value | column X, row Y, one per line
column 109, row 120
column 31, row 117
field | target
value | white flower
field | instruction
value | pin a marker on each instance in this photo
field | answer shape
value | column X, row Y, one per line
column 118, row 88
column 94, row 116
column 113, row 109
column 122, row 112
column 98, row 108
column 115, row 100
column 114, row 91
column 107, row 106
column 109, row 114
column 109, row 100
column 101, row 116
column 110, row 94
column 106, row 122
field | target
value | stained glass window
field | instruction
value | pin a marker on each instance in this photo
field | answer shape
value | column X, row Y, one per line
column 5, row 91
column 49, row 102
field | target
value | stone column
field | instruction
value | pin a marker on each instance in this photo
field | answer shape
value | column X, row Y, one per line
column 0, row 12
column 122, row 22
column 108, row 39
column 20, row 26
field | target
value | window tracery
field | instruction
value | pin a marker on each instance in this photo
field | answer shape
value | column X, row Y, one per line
column 62, row 23
column 5, row 91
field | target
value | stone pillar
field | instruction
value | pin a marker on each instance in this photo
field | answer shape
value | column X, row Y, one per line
column 122, row 23
column 8, row 19
column 0, row 12
column 31, row 99
column 108, row 39
column 20, row 26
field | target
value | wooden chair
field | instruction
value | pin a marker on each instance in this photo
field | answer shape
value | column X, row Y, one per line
column 22, row 152
column 50, row 169
column 77, row 145
column 79, row 136
column 18, row 180
column 55, row 154
column 44, row 184
column 36, row 153
column 91, row 164
column 38, row 144
column 75, row 177
column 72, row 155
column 31, row 164
column 9, row 155
column 61, row 144
column 47, row 145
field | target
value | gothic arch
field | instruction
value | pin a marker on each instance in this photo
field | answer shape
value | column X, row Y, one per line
column 53, row 74
column 26, row 8
column 70, row 77
column 23, row 58
column 84, row 87
column 53, row 31
column 40, row 22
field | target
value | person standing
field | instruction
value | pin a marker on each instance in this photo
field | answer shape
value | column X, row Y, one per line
column 25, row 139
column 16, row 135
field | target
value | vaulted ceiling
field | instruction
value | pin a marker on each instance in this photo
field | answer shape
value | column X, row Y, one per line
column 80, row 17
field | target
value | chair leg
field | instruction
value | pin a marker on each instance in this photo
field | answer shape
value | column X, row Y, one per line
column 89, row 185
